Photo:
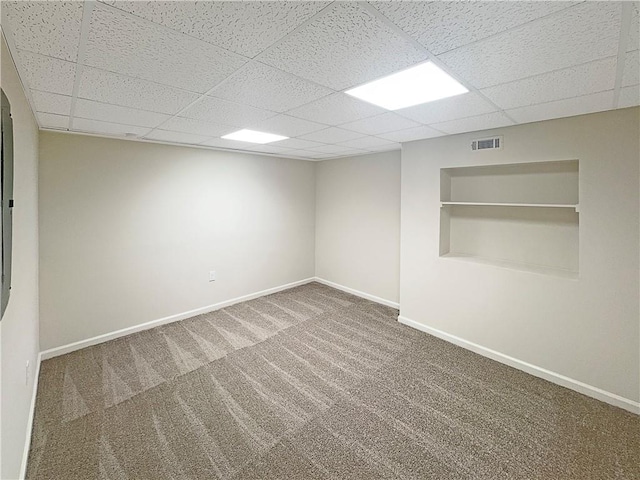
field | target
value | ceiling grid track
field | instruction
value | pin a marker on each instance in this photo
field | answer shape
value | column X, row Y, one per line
column 201, row 97
column 432, row 58
column 86, row 23
column 138, row 18
column 555, row 70
column 308, row 21
column 299, row 27
column 87, row 10
column 262, row 83
column 516, row 27
column 626, row 10
column 250, row 61
column 191, row 145
column 13, row 51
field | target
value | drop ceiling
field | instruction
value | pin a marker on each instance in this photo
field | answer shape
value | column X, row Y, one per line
column 192, row 72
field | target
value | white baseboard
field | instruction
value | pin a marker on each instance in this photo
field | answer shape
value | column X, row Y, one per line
column 358, row 293
column 576, row 385
column 32, row 409
column 71, row 347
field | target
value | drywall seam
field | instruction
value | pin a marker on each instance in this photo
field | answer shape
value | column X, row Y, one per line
column 553, row 377
column 105, row 337
column 358, row 293
column 32, row 409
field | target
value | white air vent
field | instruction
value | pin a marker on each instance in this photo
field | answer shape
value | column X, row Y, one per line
column 494, row 143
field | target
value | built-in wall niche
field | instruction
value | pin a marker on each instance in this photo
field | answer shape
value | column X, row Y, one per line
column 521, row 216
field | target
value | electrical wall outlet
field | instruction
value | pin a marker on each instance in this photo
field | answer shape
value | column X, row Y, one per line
column 212, row 275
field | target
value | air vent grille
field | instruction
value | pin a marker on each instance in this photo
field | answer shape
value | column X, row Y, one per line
column 494, row 143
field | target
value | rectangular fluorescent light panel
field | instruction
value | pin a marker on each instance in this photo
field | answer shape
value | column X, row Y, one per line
column 413, row 86
column 252, row 136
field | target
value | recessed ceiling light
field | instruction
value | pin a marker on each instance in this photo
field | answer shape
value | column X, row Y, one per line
column 252, row 136
column 421, row 84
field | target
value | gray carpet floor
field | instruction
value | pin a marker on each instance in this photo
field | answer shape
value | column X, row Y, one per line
column 313, row 383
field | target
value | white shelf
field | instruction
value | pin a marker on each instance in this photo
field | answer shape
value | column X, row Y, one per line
column 538, row 205
column 523, row 267
column 522, row 216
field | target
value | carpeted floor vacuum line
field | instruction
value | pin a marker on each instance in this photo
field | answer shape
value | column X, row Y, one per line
column 313, row 383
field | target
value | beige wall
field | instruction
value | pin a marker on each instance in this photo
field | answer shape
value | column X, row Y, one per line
column 358, row 223
column 129, row 231
column 586, row 329
column 19, row 325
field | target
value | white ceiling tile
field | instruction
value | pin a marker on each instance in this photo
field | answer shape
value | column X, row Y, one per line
column 107, row 87
column 197, row 127
column 298, row 156
column 246, row 28
column 460, row 106
column 304, row 153
column 351, row 153
column 336, row 109
column 230, row 144
column 538, row 59
column 298, row 144
column 568, row 107
column 287, row 126
column 331, row 135
column 633, row 42
column 46, row 73
column 570, row 82
column 343, row 47
column 51, row 102
column 410, row 134
column 387, row 122
column 121, row 43
column 443, row 26
column 333, row 149
column 105, row 112
column 631, row 75
column 216, row 110
column 580, row 34
column 294, row 154
column 107, row 128
column 271, row 148
column 629, row 97
column 337, row 154
column 49, row 28
column 385, row 148
column 367, row 143
column 177, row 137
column 51, row 120
column 267, row 87
column 473, row 124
